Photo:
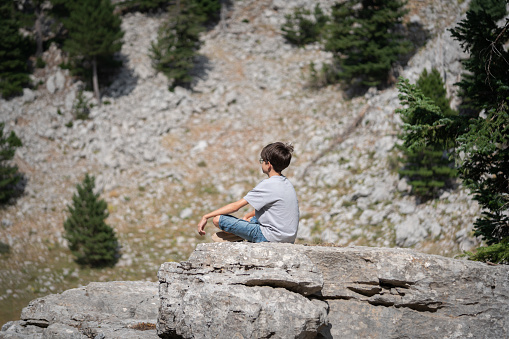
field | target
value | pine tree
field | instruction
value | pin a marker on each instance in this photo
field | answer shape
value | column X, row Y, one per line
column 32, row 16
column 428, row 167
column 302, row 27
column 94, row 33
column 9, row 175
column 432, row 86
column 208, row 9
column 483, row 138
column 14, row 52
column 143, row 5
column 364, row 38
column 495, row 8
column 486, row 139
column 178, row 42
column 91, row 240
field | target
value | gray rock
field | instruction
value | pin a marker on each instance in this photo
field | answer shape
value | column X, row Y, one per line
column 186, row 213
column 251, row 291
column 50, row 84
column 59, row 81
column 223, row 311
column 370, row 293
column 99, row 310
column 410, row 231
column 28, row 95
column 285, row 291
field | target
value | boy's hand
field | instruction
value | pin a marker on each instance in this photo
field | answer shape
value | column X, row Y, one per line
column 249, row 215
column 201, row 225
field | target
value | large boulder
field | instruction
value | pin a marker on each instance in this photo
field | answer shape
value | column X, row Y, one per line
column 244, row 290
column 121, row 309
column 282, row 290
column 239, row 290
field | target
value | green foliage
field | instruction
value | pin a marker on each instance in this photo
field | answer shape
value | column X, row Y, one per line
column 485, row 139
column 482, row 139
column 143, row 5
column 209, row 9
column 91, row 240
column 80, row 107
column 4, row 248
column 429, row 171
column 14, row 52
column 495, row 8
column 9, row 175
column 93, row 29
column 177, row 43
column 94, row 35
column 303, row 28
column 497, row 253
column 432, row 86
column 428, row 166
column 364, row 38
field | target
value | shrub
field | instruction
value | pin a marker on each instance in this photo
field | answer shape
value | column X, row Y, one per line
column 303, row 28
column 91, row 240
column 9, row 175
column 428, row 166
column 363, row 37
column 177, row 44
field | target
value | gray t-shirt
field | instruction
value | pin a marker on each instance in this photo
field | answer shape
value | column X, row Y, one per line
column 277, row 208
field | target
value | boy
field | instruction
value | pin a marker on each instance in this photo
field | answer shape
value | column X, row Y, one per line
column 275, row 217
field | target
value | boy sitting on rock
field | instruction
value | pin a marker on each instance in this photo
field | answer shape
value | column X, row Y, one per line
column 275, row 217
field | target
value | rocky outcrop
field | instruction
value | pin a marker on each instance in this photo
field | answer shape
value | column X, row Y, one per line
column 282, row 290
column 122, row 309
column 244, row 290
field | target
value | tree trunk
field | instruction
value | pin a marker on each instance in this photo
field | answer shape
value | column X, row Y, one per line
column 222, row 16
column 95, row 81
column 38, row 30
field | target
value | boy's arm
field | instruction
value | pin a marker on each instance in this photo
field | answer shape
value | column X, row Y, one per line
column 227, row 209
column 249, row 215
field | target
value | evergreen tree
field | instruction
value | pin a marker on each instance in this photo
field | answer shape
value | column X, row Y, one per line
column 364, row 38
column 495, row 8
column 432, row 86
column 208, row 9
column 428, row 167
column 483, row 139
column 94, row 33
column 143, row 5
column 32, row 16
column 178, row 42
column 9, row 176
column 91, row 240
column 14, row 52
column 302, row 28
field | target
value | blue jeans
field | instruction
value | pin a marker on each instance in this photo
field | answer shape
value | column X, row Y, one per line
column 249, row 230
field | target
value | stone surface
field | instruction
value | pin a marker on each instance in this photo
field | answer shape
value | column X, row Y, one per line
column 244, row 290
column 99, row 310
column 367, row 292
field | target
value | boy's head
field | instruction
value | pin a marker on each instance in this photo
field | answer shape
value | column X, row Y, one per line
column 278, row 154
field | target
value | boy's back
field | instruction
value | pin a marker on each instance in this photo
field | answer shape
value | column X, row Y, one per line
column 277, row 208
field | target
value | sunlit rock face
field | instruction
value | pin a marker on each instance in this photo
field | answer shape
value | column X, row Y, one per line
column 283, row 290
column 245, row 290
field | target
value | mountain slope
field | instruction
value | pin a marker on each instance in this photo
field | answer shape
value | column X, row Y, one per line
column 162, row 159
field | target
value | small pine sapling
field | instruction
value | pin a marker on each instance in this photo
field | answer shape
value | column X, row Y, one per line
column 9, row 175
column 91, row 240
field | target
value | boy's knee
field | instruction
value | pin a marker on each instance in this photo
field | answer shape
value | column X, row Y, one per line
column 216, row 220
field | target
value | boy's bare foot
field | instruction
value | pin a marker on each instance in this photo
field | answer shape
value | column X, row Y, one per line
column 223, row 236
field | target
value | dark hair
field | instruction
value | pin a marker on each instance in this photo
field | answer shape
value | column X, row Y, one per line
column 278, row 154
